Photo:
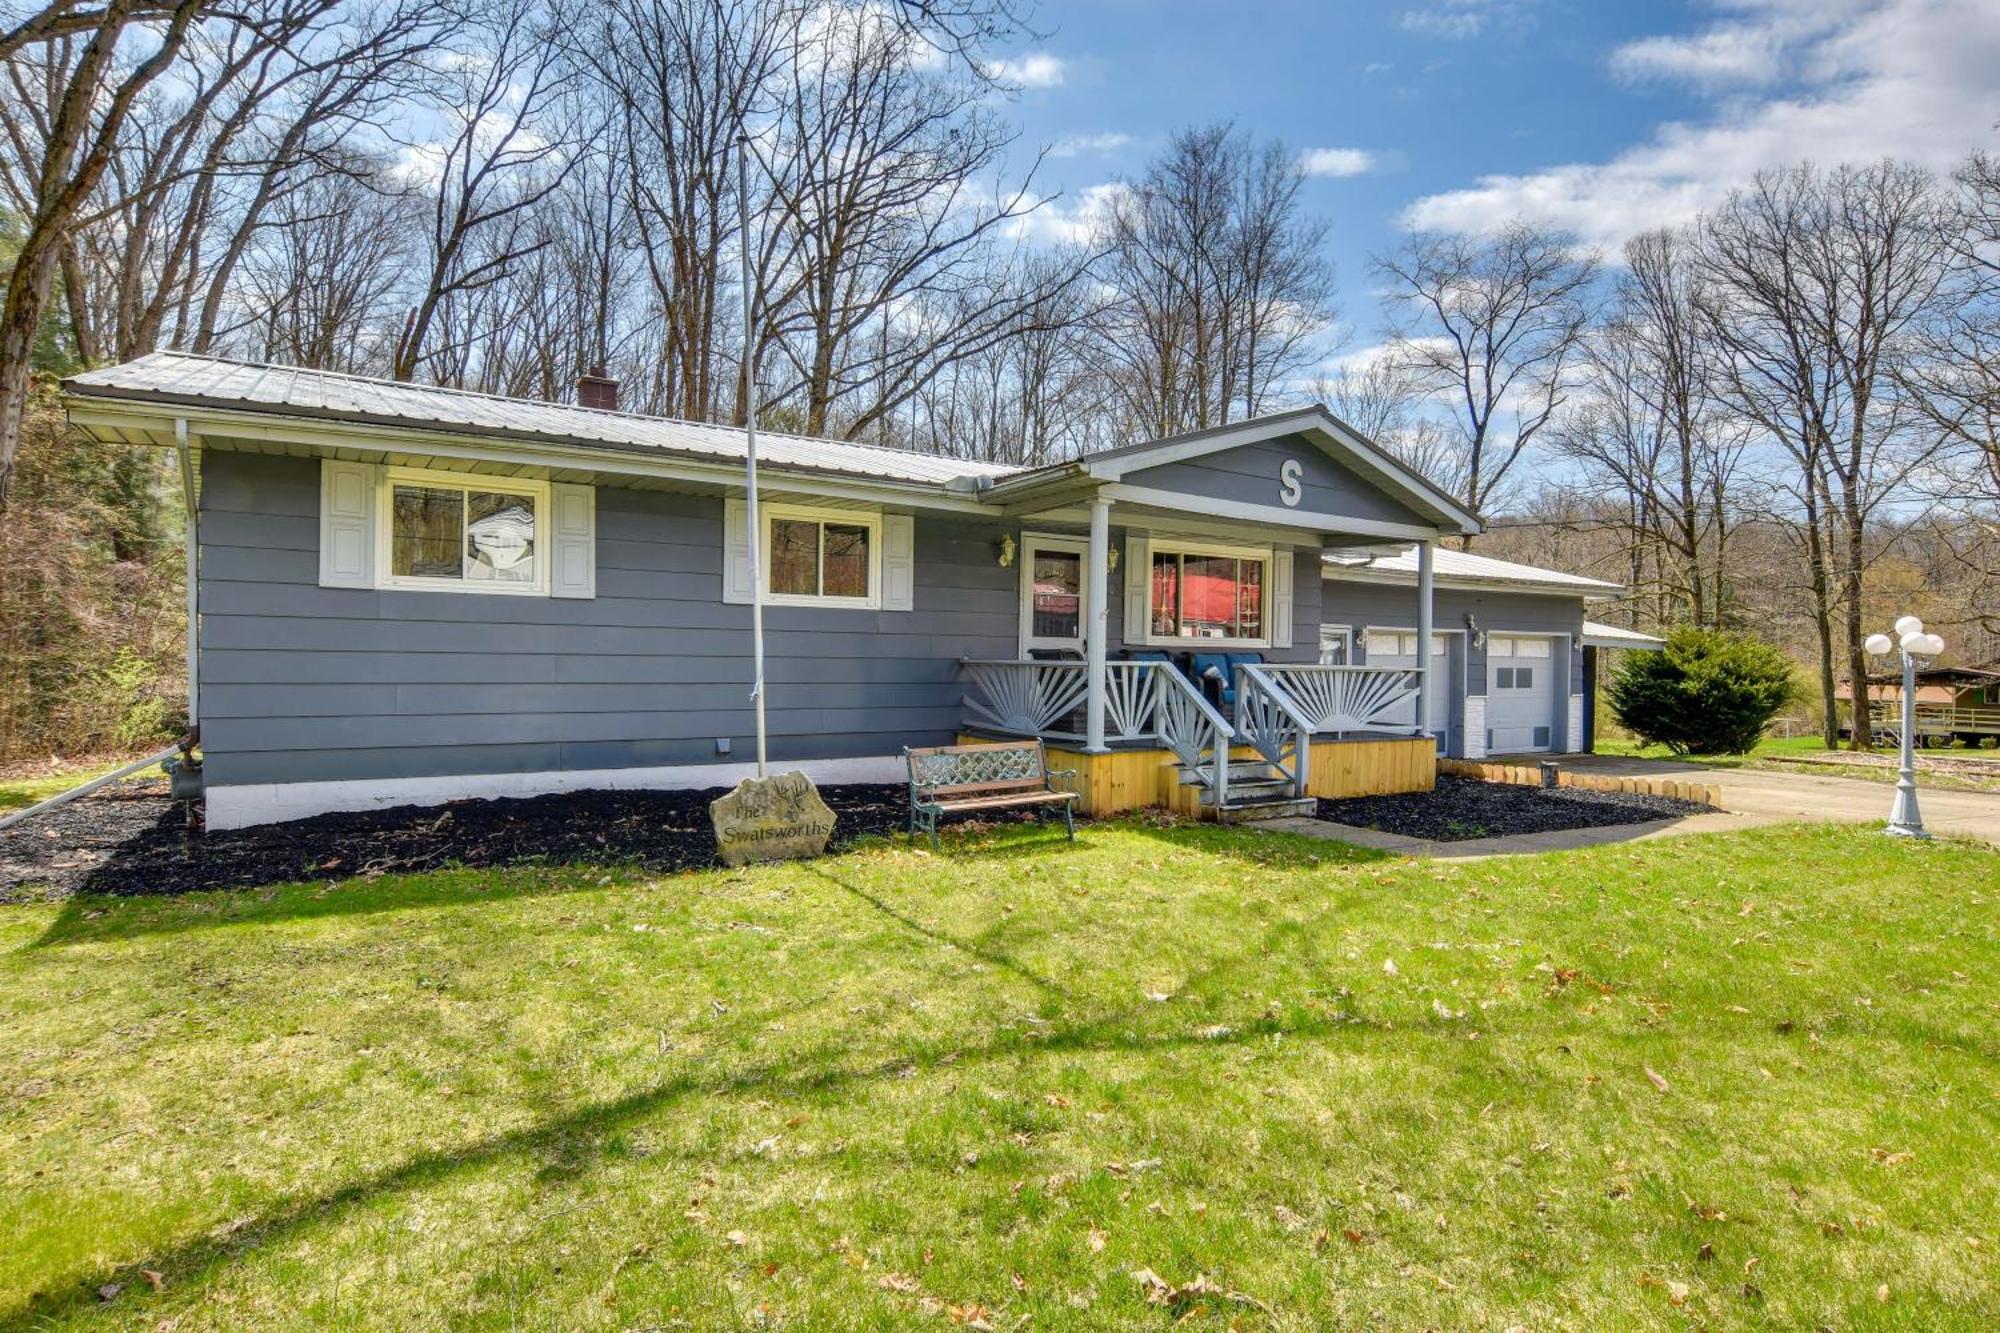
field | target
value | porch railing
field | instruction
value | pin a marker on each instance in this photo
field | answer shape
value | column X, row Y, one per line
column 1938, row 719
column 1280, row 707
column 1143, row 701
column 1339, row 699
column 1272, row 724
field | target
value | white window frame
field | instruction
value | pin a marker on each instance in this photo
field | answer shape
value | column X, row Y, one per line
column 768, row 514
column 385, row 535
column 1159, row 546
column 1345, row 635
column 1048, row 541
column 1440, row 640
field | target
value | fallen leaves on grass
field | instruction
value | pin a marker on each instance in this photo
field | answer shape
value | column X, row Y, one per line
column 1654, row 1077
column 1159, row 1291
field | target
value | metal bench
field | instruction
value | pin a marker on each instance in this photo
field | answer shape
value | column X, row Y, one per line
column 987, row 775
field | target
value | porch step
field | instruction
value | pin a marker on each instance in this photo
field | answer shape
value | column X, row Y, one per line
column 1243, row 812
column 1240, row 770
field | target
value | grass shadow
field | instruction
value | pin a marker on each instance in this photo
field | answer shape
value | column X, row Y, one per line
column 586, row 1135
column 984, row 954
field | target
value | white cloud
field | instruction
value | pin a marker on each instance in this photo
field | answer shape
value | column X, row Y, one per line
column 1462, row 20
column 1735, row 53
column 1336, row 161
column 1090, row 145
column 1454, row 23
column 1079, row 222
column 1910, row 79
column 1037, row 69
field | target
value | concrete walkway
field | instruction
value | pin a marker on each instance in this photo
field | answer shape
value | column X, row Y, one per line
column 1750, row 798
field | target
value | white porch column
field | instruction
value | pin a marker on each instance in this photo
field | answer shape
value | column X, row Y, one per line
column 1096, row 628
column 1424, row 658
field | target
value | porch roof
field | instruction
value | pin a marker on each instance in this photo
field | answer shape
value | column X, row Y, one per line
column 1462, row 568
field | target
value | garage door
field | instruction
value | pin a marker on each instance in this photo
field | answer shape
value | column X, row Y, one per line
column 1520, row 693
column 1398, row 648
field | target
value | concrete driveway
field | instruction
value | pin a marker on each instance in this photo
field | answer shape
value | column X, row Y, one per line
column 1756, row 796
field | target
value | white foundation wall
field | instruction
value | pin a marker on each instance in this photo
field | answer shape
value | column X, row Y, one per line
column 270, row 803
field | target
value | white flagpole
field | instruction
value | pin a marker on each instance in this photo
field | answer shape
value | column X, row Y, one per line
column 750, row 464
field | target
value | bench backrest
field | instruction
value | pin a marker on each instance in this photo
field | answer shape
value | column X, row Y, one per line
column 985, row 768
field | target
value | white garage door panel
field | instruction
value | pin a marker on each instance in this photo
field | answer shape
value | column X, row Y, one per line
column 1520, row 693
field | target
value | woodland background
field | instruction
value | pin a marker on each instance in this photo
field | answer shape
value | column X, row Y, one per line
column 1783, row 418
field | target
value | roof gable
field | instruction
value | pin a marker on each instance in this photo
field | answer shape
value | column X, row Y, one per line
column 1356, row 456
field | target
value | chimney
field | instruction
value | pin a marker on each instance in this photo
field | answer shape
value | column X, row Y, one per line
column 596, row 389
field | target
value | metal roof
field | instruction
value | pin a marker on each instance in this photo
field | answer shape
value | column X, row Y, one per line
column 1599, row 635
column 185, row 378
column 1465, row 567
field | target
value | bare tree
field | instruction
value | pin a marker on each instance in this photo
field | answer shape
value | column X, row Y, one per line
column 1223, row 287
column 1653, row 433
column 319, row 286
column 1494, row 325
column 882, row 237
column 509, row 149
column 1389, row 401
column 92, row 95
column 1823, row 280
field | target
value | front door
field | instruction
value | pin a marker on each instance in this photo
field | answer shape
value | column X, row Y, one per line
column 1052, row 596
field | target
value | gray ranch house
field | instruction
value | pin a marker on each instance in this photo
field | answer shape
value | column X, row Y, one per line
column 407, row 595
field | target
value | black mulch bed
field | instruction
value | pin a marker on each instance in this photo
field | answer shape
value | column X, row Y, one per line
column 131, row 839
column 1462, row 808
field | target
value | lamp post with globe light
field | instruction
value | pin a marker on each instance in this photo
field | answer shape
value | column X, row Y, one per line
column 1913, row 642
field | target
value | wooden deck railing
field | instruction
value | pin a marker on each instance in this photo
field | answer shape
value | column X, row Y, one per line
column 1937, row 719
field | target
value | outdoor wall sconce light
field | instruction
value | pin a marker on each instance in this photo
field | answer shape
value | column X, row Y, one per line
column 1005, row 550
column 1913, row 643
column 1361, row 638
column 1111, row 560
column 1473, row 632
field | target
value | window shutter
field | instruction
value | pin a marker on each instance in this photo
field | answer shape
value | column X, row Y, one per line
column 573, row 541
column 1281, row 598
column 1138, row 580
column 899, row 562
column 346, row 524
column 736, row 551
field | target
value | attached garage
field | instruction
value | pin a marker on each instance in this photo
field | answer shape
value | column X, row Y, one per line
column 1521, row 693
column 1398, row 648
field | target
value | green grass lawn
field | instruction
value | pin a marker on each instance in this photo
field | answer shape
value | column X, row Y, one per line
column 1172, row 1075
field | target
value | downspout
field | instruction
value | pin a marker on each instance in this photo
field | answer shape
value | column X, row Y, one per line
column 186, row 772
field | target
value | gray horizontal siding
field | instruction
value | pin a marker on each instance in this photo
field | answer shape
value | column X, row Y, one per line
column 303, row 683
column 1497, row 612
column 1250, row 475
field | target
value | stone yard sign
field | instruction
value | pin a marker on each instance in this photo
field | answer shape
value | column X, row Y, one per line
column 779, row 818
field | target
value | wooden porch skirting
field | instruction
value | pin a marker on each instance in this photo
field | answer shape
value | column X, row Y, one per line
column 1121, row 780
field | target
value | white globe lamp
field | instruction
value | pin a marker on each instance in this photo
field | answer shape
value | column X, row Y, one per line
column 1905, row 820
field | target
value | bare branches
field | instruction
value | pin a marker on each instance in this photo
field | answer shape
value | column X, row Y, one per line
column 1495, row 324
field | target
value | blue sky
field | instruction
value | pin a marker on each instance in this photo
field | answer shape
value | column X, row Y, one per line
column 1605, row 117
